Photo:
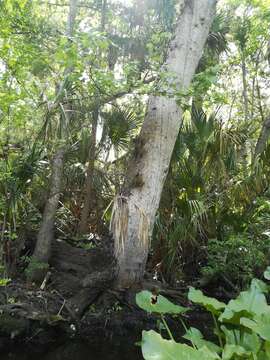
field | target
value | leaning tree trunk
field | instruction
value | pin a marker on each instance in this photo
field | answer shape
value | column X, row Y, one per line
column 263, row 138
column 135, row 208
column 45, row 235
column 265, row 131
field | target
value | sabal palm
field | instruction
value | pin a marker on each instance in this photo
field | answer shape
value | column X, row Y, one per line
column 196, row 194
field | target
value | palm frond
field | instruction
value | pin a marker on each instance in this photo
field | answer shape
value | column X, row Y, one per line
column 120, row 126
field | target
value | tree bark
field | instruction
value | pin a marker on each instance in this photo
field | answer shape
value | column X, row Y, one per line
column 245, row 90
column 89, row 189
column 135, row 208
column 88, row 197
column 73, row 6
column 45, row 236
column 263, row 138
column 46, row 233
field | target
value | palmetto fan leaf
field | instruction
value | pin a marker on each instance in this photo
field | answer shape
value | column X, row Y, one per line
column 203, row 125
column 216, row 41
column 205, row 157
column 120, row 126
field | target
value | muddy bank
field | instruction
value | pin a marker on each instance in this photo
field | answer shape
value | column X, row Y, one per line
column 77, row 301
column 39, row 320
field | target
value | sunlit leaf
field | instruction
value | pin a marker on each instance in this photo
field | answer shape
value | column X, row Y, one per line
column 196, row 338
column 154, row 347
column 247, row 304
column 211, row 304
column 230, row 351
column 157, row 304
column 266, row 274
column 260, row 325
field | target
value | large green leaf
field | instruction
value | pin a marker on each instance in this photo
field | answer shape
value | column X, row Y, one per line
column 267, row 350
column 247, row 304
column 196, row 338
column 230, row 351
column 260, row 286
column 211, row 304
column 157, row 304
column 266, row 274
column 248, row 340
column 260, row 325
column 154, row 347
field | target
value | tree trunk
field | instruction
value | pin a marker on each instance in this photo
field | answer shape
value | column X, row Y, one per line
column 45, row 236
column 263, row 138
column 245, row 90
column 46, row 233
column 88, row 191
column 73, row 6
column 88, row 196
column 135, row 208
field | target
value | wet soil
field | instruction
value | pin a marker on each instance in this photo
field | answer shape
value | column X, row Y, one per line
column 76, row 313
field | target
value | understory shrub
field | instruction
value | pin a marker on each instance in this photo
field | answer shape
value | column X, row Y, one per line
column 236, row 259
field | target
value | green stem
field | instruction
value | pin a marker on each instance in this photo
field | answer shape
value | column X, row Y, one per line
column 186, row 330
column 218, row 330
column 184, row 325
column 235, row 337
column 167, row 327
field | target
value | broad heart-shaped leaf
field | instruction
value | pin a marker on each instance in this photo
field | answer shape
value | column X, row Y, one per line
column 249, row 341
column 266, row 274
column 264, row 354
column 211, row 304
column 260, row 286
column 230, row 351
column 146, row 301
column 260, row 325
column 154, row 347
column 267, row 349
column 195, row 337
column 247, row 304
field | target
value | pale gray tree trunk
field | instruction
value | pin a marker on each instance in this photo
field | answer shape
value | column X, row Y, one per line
column 245, row 89
column 263, row 138
column 135, row 208
column 45, row 236
column 265, row 130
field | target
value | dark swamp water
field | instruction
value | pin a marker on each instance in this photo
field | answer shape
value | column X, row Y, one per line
column 79, row 351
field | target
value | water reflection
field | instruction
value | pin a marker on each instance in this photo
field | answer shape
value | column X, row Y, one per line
column 80, row 351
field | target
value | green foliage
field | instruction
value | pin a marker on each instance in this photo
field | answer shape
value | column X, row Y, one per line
column 242, row 328
column 214, row 218
column 267, row 273
column 154, row 347
column 211, row 304
column 237, row 258
column 195, row 337
column 146, row 301
column 120, row 126
column 4, row 281
column 35, row 266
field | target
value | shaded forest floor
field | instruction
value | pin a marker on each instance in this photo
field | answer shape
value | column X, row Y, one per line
column 77, row 299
